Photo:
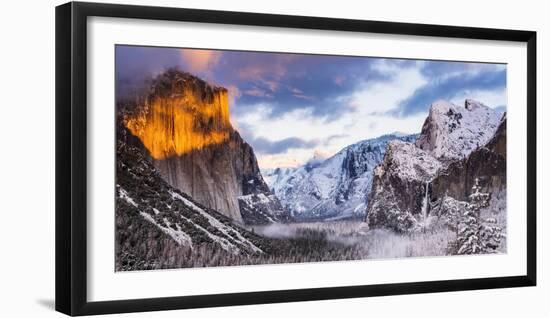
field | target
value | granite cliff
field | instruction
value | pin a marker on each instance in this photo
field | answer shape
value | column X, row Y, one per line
column 457, row 145
column 184, row 124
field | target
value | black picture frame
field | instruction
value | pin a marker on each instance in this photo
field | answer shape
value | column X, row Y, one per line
column 71, row 157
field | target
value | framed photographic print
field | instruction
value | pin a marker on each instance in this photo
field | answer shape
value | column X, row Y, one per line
column 208, row 158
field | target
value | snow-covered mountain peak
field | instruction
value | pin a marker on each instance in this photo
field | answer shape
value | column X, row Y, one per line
column 457, row 145
column 441, row 107
column 471, row 104
column 453, row 132
column 408, row 161
column 335, row 187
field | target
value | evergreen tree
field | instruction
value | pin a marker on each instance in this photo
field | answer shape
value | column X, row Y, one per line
column 475, row 235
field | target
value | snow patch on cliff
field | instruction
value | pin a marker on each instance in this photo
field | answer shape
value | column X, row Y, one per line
column 226, row 230
column 409, row 162
column 176, row 234
column 453, row 131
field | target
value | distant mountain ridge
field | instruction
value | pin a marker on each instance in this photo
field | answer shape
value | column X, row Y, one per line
column 336, row 187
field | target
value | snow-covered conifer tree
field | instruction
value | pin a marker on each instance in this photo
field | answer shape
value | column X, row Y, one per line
column 475, row 235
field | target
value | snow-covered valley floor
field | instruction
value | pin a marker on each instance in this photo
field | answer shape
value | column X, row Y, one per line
column 356, row 238
column 357, row 241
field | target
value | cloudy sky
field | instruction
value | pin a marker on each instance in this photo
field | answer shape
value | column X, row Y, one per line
column 292, row 106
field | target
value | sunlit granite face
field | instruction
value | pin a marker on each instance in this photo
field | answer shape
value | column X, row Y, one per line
column 181, row 114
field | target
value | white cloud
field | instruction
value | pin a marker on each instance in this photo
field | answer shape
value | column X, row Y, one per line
column 383, row 96
column 494, row 98
column 352, row 128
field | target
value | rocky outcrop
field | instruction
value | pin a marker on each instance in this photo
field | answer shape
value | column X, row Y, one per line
column 487, row 164
column 183, row 122
column 261, row 208
column 212, row 175
column 401, row 182
column 456, row 146
column 452, row 132
column 180, row 114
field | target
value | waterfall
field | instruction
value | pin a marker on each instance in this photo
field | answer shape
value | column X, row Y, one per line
column 425, row 201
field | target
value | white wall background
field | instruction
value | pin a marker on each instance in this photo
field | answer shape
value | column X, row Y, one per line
column 27, row 158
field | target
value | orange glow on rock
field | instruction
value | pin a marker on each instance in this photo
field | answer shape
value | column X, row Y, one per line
column 189, row 118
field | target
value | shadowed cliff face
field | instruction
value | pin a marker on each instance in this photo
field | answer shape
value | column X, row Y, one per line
column 399, row 185
column 183, row 122
column 181, row 114
column 488, row 164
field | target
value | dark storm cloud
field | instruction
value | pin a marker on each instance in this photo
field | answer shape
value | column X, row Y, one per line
column 264, row 146
column 438, row 69
column 134, row 65
column 448, row 87
column 287, row 82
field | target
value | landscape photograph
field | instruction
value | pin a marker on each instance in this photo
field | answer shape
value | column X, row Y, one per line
column 236, row 158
